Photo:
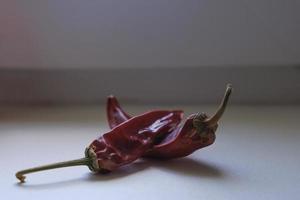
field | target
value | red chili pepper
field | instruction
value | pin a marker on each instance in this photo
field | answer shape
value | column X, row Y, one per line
column 115, row 114
column 197, row 132
column 122, row 145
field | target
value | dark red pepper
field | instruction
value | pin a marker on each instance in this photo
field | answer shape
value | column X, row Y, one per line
column 115, row 114
column 131, row 139
column 197, row 132
column 135, row 137
column 122, row 145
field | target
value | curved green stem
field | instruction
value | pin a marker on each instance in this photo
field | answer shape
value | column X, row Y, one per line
column 83, row 161
column 216, row 117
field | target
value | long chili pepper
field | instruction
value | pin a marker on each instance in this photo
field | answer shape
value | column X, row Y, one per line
column 197, row 132
column 122, row 145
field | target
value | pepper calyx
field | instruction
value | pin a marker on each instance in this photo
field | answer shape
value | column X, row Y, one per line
column 93, row 164
column 199, row 123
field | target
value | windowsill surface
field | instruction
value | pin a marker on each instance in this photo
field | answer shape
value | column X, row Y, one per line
column 255, row 157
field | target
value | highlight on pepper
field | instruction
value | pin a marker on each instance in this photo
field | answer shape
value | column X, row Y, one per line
column 156, row 134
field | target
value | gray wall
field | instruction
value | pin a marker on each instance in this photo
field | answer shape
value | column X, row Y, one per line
column 154, row 51
column 143, row 33
column 192, row 85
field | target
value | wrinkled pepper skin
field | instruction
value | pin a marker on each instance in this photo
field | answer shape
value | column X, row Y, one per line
column 183, row 141
column 131, row 139
column 122, row 145
column 155, row 134
column 198, row 131
column 116, row 115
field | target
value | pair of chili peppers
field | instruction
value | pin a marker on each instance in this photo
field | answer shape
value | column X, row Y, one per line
column 155, row 134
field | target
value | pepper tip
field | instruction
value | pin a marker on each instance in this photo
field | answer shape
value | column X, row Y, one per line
column 229, row 88
column 20, row 177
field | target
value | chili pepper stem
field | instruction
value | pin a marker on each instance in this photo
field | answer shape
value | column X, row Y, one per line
column 216, row 117
column 83, row 161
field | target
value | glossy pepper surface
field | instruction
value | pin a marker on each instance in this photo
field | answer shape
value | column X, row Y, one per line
column 122, row 145
column 198, row 130
column 131, row 139
column 154, row 134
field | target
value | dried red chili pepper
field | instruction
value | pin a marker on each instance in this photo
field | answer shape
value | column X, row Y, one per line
column 122, row 145
column 115, row 114
column 197, row 132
